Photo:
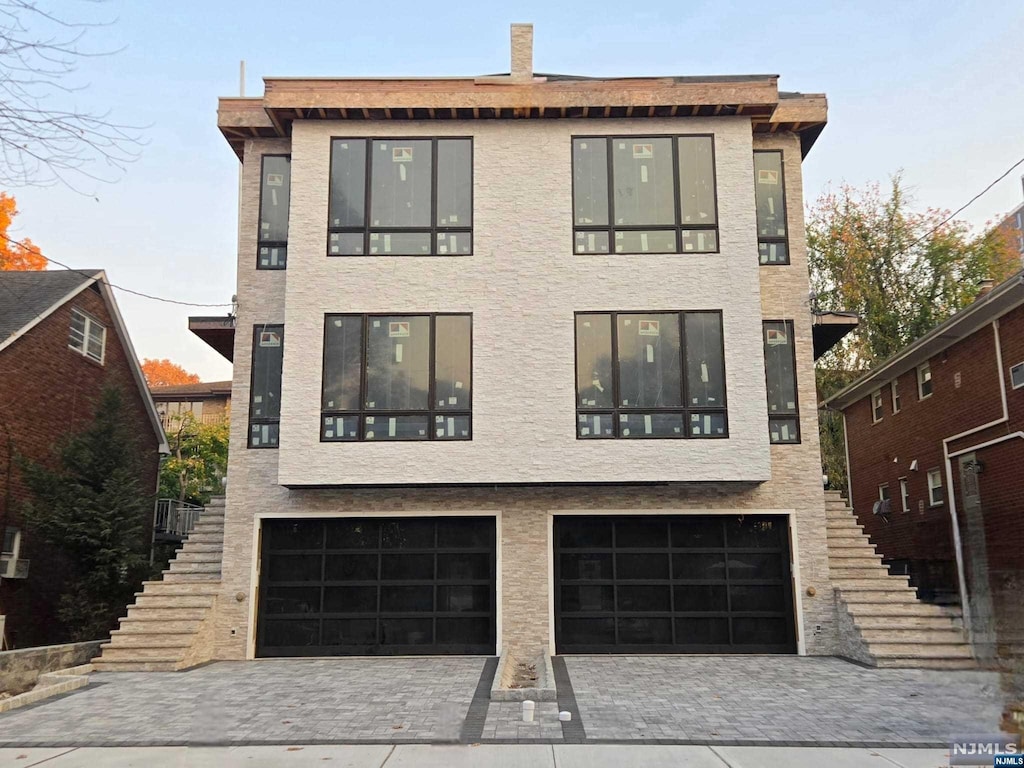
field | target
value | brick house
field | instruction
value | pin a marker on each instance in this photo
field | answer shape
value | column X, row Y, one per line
column 935, row 440
column 523, row 365
column 62, row 341
column 207, row 402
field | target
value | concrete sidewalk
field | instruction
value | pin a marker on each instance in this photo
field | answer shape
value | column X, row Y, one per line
column 499, row 755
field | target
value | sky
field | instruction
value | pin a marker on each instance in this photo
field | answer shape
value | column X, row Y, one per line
column 933, row 89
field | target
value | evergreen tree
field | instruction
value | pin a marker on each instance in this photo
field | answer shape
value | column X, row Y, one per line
column 93, row 509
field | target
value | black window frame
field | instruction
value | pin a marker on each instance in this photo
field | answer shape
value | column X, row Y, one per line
column 617, row 410
column 433, row 230
column 431, row 411
column 777, row 239
column 793, row 415
column 257, row 329
column 260, row 242
column 678, row 228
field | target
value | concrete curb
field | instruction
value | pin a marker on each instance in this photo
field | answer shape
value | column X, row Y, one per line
column 543, row 691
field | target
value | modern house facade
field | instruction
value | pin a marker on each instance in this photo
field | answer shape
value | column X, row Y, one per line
column 935, row 442
column 62, row 342
column 523, row 365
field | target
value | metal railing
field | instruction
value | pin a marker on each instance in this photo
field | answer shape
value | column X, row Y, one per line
column 172, row 420
column 175, row 518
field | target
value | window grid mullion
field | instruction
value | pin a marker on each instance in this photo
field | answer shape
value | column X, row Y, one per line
column 676, row 197
column 367, row 202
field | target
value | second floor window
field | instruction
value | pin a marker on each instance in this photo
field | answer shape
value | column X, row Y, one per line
column 87, row 336
column 265, row 390
column 275, row 192
column 876, row 406
column 650, row 375
column 780, row 376
column 397, row 377
column 401, row 197
column 894, row 387
column 924, row 381
column 770, row 201
column 635, row 194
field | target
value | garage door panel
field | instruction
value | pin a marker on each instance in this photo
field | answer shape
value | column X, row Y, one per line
column 672, row 584
column 377, row 587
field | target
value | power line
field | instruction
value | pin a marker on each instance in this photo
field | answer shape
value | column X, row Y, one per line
column 37, row 252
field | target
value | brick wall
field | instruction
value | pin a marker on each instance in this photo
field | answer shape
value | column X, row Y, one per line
column 49, row 392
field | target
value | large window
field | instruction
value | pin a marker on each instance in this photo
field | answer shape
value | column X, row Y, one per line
column 87, row 336
column 275, row 191
column 636, row 194
column 924, row 381
column 397, row 377
column 934, row 487
column 650, row 375
column 401, row 197
column 770, row 200
column 780, row 374
column 265, row 391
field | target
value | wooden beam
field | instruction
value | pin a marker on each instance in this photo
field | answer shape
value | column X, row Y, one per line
column 322, row 112
column 696, row 109
column 675, row 110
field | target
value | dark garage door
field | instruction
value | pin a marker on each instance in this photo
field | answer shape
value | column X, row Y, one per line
column 673, row 584
column 374, row 586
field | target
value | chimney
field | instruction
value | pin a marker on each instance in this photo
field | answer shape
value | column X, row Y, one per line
column 985, row 287
column 522, row 52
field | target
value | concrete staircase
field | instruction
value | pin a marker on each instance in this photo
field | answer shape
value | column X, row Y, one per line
column 889, row 626
column 170, row 625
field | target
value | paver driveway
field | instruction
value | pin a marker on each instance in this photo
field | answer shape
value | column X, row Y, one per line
column 677, row 699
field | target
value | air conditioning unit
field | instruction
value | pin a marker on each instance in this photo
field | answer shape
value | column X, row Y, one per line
column 11, row 568
column 882, row 507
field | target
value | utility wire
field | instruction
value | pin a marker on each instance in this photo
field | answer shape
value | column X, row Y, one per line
column 37, row 252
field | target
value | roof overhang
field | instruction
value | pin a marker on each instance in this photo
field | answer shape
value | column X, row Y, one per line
column 990, row 307
column 829, row 328
column 218, row 332
column 502, row 97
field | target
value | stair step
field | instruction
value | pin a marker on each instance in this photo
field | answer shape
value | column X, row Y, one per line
column 905, row 623
column 177, row 566
column 155, row 588
column 926, row 637
column 150, row 639
column 150, row 665
column 143, row 613
column 203, row 546
column 179, row 577
column 861, row 609
column 876, row 581
column 149, row 626
column 192, row 556
column 141, row 653
column 845, row 533
column 878, row 596
column 842, row 572
column 851, row 553
column 903, row 662
column 174, row 601
column 959, row 650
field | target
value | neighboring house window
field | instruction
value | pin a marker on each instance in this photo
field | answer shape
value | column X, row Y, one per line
column 934, row 487
column 770, row 200
column 876, row 406
column 172, row 413
column 275, row 191
column 265, row 392
column 895, row 389
column 87, row 336
column 401, row 197
column 662, row 198
column 780, row 375
column 650, row 375
column 397, row 377
column 883, row 492
column 1017, row 376
column 11, row 544
column 904, row 495
column 924, row 381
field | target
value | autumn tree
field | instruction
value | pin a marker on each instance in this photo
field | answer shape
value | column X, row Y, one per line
column 15, row 253
column 164, row 373
column 903, row 272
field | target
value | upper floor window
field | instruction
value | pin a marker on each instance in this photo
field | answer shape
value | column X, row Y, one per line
column 650, row 375
column 770, row 201
column 87, row 336
column 1017, row 376
column 904, row 495
column 11, row 543
column 877, row 411
column 275, row 192
column 397, row 377
column 894, row 390
column 924, row 381
column 934, row 487
column 635, row 194
column 401, row 197
column 265, row 392
column 780, row 375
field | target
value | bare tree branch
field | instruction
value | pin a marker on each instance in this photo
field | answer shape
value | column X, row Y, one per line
column 44, row 140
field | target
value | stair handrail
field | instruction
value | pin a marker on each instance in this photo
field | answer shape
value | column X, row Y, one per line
column 176, row 517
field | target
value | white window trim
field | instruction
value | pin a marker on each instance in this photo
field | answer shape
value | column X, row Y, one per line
column 1018, row 366
column 17, row 544
column 881, row 491
column 931, row 487
column 893, row 391
column 875, row 419
column 904, row 494
column 920, row 381
column 91, row 321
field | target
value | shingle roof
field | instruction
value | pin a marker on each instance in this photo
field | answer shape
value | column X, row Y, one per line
column 208, row 389
column 24, row 296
